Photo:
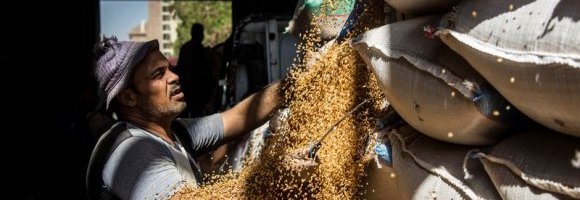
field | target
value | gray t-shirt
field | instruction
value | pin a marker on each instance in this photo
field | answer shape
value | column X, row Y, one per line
column 144, row 166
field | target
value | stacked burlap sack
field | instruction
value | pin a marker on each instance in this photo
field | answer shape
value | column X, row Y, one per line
column 529, row 50
column 532, row 164
column 429, row 169
column 458, row 72
column 434, row 89
column 536, row 164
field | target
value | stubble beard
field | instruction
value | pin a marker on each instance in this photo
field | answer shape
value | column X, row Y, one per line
column 164, row 112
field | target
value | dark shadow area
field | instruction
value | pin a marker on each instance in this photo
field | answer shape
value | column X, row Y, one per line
column 53, row 93
column 486, row 14
column 564, row 9
column 244, row 8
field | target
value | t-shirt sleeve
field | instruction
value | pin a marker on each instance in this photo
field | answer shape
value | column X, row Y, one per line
column 141, row 168
column 205, row 132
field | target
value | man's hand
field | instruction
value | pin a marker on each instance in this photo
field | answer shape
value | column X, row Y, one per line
column 300, row 161
column 300, row 167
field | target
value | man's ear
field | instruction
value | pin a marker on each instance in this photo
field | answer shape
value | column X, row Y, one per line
column 127, row 98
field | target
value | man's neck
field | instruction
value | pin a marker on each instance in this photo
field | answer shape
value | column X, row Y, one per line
column 159, row 128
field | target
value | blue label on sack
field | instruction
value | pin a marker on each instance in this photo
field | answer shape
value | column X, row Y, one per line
column 384, row 152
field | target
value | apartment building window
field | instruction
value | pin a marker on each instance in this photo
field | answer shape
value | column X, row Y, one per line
column 166, row 27
column 167, row 45
column 166, row 37
column 165, row 18
column 165, row 8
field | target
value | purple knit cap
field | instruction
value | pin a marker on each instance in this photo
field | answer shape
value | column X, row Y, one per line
column 115, row 63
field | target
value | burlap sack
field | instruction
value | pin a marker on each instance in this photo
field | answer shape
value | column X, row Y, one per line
column 429, row 169
column 528, row 50
column 535, row 165
column 430, row 86
column 421, row 7
column 381, row 181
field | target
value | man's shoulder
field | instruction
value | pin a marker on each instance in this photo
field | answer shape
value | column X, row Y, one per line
column 110, row 139
column 138, row 163
column 122, row 133
column 116, row 149
column 139, row 147
column 119, row 131
column 117, row 128
column 134, row 145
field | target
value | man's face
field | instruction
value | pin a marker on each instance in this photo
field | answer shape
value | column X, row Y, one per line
column 157, row 88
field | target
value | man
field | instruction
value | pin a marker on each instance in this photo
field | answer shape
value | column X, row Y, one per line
column 144, row 156
column 195, row 68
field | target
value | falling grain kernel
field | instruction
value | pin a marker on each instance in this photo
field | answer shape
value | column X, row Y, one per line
column 512, row 79
column 393, row 175
column 453, row 94
column 499, row 60
column 450, row 134
column 508, row 108
column 511, row 7
column 474, row 13
column 496, row 113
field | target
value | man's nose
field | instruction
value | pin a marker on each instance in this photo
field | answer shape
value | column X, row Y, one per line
column 173, row 78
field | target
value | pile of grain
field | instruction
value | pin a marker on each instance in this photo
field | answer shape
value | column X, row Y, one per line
column 317, row 96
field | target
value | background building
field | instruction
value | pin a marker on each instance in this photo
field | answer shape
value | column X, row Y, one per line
column 161, row 24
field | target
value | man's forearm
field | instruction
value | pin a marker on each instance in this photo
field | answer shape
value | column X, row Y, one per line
column 251, row 112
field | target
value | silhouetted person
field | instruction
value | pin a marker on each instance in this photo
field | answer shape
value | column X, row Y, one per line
column 194, row 68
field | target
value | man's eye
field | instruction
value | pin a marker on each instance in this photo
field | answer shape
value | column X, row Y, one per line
column 159, row 73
